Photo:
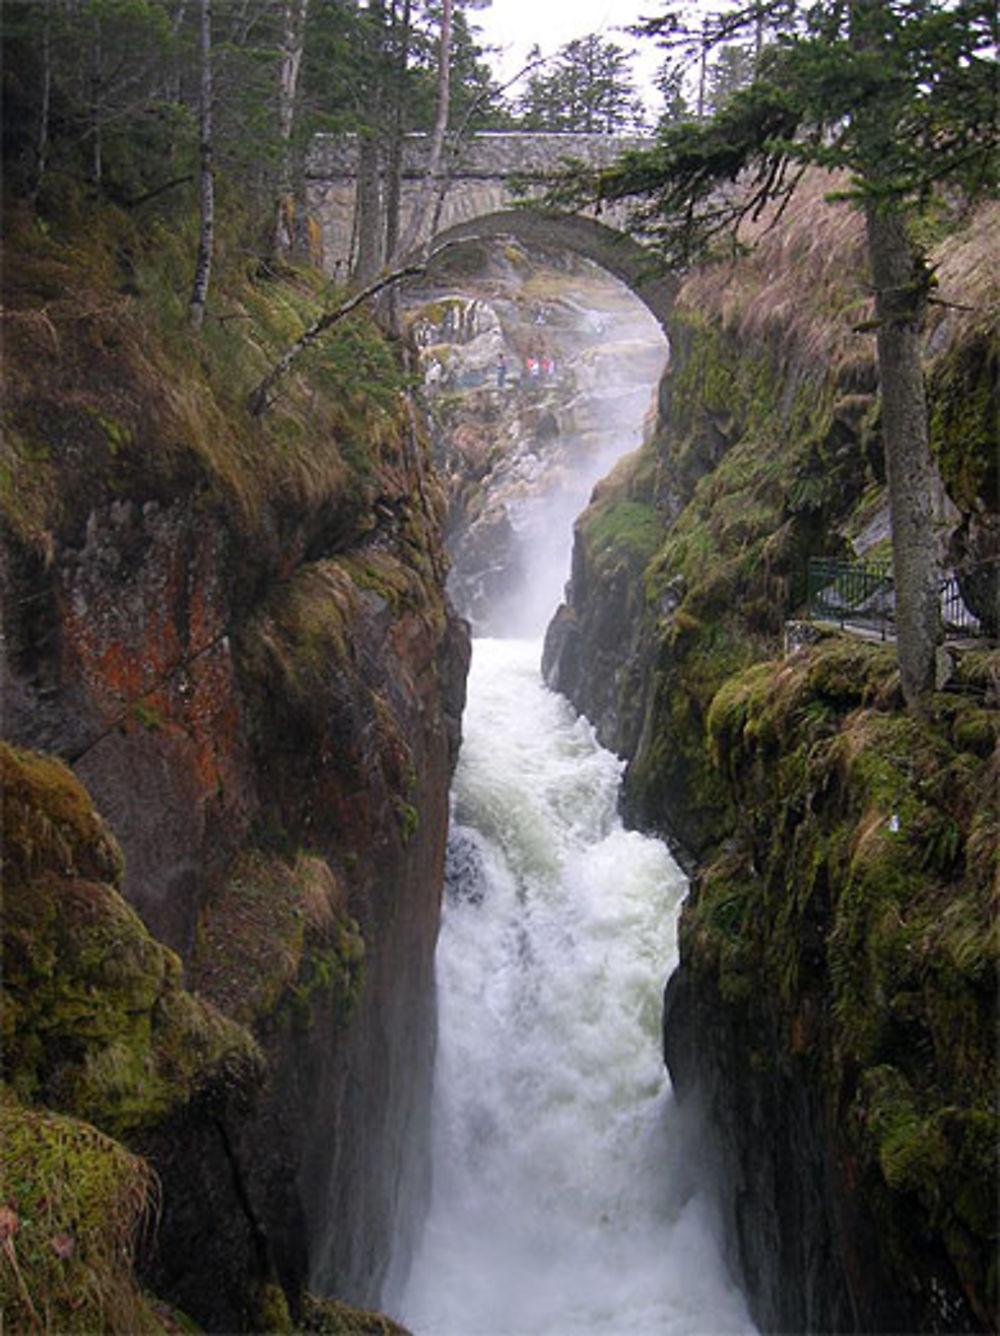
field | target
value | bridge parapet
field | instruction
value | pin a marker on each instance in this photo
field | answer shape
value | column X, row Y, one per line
column 492, row 154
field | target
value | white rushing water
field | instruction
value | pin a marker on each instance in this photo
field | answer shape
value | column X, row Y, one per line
column 561, row 1196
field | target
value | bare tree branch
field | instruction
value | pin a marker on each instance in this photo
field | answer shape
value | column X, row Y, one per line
column 259, row 398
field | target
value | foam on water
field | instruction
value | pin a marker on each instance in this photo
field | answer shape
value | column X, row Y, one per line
column 561, row 1199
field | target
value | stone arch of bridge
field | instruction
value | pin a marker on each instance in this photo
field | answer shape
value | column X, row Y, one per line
column 614, row 251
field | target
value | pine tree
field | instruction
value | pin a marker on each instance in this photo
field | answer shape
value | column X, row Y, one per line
column 902, row 96
column 588, row 88
column 731, row 70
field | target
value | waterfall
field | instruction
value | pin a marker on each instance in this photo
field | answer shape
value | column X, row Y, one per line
column 562, row 1202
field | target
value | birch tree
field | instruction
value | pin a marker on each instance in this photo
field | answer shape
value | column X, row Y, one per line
column 294, row 19
column 416, row 226
column 206, row 229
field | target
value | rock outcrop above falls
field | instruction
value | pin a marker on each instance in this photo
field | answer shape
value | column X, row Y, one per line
column 539, row 373
column 236, row 635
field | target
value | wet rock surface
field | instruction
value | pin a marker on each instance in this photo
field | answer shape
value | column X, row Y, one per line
column 539, row 371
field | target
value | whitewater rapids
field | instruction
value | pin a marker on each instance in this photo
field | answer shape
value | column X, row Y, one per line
column 561, row 1201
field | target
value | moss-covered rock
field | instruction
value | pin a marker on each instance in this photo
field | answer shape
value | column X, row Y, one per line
column 330, row 1317
column 261, row 932
column 95, row 1020
column 964, row 392
column 851, row 922
column 72, row 1203
column 49, row 823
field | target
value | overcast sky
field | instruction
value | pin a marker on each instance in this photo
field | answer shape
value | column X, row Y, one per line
column 515, row 25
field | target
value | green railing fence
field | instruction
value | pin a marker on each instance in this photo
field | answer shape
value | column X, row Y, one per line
column 855, row 593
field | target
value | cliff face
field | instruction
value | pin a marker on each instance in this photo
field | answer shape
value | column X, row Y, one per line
column 833, row 1012
column 767, row 451
column 237, row 636
column 836, row 1007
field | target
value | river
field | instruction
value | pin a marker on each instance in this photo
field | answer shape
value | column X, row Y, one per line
column 562, row 1199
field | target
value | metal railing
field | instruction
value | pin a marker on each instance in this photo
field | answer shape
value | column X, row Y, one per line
column 863, row 594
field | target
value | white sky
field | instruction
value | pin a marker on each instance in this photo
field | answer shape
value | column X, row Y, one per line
column 516, row 25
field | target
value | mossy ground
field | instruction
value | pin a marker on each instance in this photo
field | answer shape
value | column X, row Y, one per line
column 621, row 530
column 73, row 1204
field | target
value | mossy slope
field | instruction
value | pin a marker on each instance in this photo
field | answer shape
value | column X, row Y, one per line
column 95, row 1020
column 74, row 1203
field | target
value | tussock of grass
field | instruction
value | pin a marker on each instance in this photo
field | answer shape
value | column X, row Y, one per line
column 303, row 630
column 74, row 1202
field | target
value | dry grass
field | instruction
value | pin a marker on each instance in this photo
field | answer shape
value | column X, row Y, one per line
column 75, row 1204
column 804, row 285
column 968, row 281
column 801, row 287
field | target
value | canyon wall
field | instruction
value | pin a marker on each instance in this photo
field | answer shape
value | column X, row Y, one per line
column 234, row 633
column 833, row 1015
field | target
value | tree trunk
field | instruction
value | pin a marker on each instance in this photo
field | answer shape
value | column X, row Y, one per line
column 293, row 41
column 203, row 265
column 42, row 142
column 900, row 278
column 96, row 118
column 394, row 158
column 368, row 210
column 369, row 218
column 422, row 207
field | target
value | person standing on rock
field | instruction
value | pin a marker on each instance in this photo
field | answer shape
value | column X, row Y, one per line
column 501, row 370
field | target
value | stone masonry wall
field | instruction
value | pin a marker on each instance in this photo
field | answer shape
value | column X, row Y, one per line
column 491, row 173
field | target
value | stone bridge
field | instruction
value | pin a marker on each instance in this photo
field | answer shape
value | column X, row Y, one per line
column 495, row 170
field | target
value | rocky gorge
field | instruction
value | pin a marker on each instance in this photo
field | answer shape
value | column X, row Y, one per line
column 233, row 685
column 832, row 1024
column 535, row 362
